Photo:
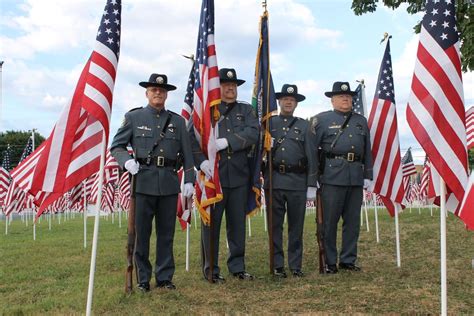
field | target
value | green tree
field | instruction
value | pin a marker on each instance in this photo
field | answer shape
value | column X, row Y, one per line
column 17, row 141
column 471, row 158
column 464, row 15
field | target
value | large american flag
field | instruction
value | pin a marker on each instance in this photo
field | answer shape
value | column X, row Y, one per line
column 467, row 203
column 72, row 151
column 207, row 96
column 435, row 110
column 384, row 138
column 470, row 127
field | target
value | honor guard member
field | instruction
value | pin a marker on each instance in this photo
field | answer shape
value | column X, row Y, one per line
column 237, row 132
column 161, row 145
column 293, row 179
column 345, row 163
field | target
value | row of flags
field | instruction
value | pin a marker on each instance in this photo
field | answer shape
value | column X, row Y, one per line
column 435, row 113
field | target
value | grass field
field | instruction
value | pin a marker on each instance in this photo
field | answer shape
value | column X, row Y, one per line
column 50, row 275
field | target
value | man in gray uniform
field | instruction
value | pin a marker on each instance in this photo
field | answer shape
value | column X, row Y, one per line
column 293, row 179
column 160, row 144
column 345, row 162
column 238, row 131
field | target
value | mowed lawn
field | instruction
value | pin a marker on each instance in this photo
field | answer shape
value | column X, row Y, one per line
column 50, row 275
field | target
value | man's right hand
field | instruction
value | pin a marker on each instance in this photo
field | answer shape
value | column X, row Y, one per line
column 206, row 168
column 132, row 166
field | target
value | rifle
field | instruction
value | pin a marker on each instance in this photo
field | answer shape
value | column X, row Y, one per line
column 320, row 233
column 130, row 238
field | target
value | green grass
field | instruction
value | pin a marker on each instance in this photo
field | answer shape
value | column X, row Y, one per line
column 50, row 275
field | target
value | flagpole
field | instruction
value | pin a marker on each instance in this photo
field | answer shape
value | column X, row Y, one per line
column 32, row 150
column 366, row 215
column 444, row 290
column 96, row 228
column 397, row 235
column 189, row 204
column 374, row 198
column 84, row 214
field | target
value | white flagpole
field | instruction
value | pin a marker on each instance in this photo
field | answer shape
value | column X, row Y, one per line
column 49, row 220
column 120, row 216
column 34, row 227
column 397, row 234
column 84, row 213
column 376, row 218
column 6, row 224
column 187, row 245
column 444, row 290
column 250, row 226
column 265, row 223
column 33, row 210
column 96, row 228
column 366, row 215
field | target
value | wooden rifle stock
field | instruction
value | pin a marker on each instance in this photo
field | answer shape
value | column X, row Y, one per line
column 320, row 233
column 130, row 238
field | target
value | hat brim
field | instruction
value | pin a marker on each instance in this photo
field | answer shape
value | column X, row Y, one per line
column 330, row 94
column 298, row 97
column 239, row 82
column 167, row 87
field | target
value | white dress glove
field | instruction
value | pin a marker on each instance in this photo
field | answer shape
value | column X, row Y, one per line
column 221, row 143
column 311, row 193
column 367, row 183
column 132, row 166
column 206, row 168
column 188, row 190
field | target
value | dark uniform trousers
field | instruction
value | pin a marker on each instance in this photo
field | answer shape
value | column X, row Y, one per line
column 295, row 202
column 162, row 208
column 234, row 204
column 341, row 201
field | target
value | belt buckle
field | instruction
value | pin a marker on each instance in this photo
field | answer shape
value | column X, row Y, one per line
column 229, row 150
column 350, row 157
column 281, row 169
column 160, row 161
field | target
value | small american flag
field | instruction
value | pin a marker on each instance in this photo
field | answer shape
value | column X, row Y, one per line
column 470, row 127
column 28, row 149
column 5, row 174
column 408, row 167
column 359, row 104
column 435, row 110
column 187, row 110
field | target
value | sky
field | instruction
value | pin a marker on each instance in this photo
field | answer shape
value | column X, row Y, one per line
column 45, row 44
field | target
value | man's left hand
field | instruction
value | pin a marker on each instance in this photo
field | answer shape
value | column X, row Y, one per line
column 221, row 143
column 188, row 190
column 367, row 183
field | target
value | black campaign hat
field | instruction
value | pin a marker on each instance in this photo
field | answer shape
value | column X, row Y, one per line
column 340, row 87
column 158, row 80
column 229, row 75
column 290, row 90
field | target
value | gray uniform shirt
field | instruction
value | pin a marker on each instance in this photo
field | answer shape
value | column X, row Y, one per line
column 354, row 139
column 141, row 128
column 296, row 148
column 240, row 128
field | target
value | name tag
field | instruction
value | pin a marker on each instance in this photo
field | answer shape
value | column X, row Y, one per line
column 144, row 128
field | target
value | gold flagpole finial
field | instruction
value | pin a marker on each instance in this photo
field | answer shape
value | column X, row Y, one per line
column 385, row 36
column 361, row 81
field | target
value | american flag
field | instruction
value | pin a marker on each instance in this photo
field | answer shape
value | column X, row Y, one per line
column 124, row 191
column 5, row 174
column 359, row 103
column 408, row 167
column 425, row 178
column 28, row 149
column 435, row 110
column 207, row 96
column 470, row 127
column 183, row 211
column 468, row 202
column 72, row 151
column 187, row 110
column 384, row 138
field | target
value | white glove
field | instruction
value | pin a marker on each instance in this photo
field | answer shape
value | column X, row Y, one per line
column 311, row 193
column 367, row 183
column 188, row 190
column 206, row 168
column 221, row 143
column 132, row 166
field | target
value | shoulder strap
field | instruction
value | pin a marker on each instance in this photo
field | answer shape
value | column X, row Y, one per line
column 162, row 135
column 281, row 139
column 343, row 127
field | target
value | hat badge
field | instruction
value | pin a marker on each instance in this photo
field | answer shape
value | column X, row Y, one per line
column 344, row 87
column 230, row 74
column 290, row 90
column 159, row 80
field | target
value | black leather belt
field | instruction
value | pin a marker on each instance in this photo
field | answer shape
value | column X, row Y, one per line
column 282, row 168
column 350, row 157
column 158, row 161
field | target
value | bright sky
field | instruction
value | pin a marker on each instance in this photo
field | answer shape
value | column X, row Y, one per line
column 45, row 45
